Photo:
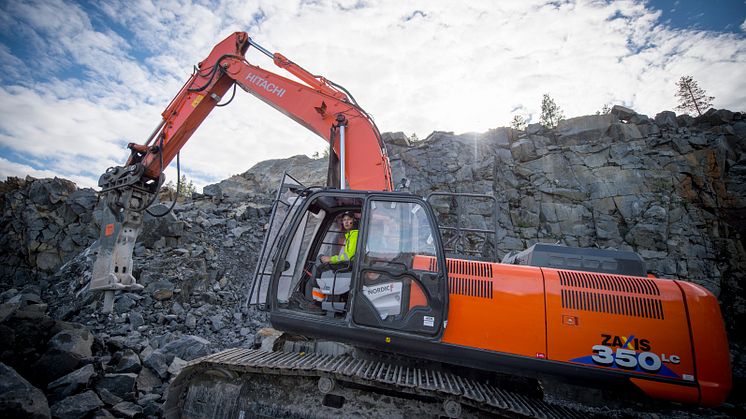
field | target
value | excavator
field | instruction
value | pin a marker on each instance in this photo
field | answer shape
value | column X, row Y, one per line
column 404, row 329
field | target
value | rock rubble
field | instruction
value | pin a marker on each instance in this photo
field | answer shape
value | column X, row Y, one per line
column 81, row 362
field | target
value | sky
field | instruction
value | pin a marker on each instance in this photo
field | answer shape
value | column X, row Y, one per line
column 80, row 80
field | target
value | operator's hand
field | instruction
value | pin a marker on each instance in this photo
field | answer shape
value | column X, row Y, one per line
column 325, row 259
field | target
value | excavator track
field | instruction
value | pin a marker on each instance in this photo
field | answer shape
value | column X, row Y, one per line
column 244, row 383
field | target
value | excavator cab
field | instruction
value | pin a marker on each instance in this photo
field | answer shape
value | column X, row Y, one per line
column 394, row 286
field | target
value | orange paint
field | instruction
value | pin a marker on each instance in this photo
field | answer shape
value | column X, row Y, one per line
column 644, row 326
column 496, row 307
column 710, row 344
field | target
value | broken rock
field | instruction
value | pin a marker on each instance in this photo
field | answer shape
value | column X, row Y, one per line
column 78, row 406
column 71, row 383
column 120, row 385
column 18, row 398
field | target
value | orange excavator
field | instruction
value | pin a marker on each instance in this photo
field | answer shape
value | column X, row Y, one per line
column 404, row 329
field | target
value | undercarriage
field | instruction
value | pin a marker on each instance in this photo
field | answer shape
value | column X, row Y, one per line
column 248, row 383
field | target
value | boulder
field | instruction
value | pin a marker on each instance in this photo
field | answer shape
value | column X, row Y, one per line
column 126, row 409
column 532, row 129
column 18, row 398
column 151, row 405
column 54, row 364
column 716, row 117
column 523, row 150
column 160, row 290
column 666, row 119
column 120, row 385
column 103, row 414
column 191, row 321
column 74, row 341
column 7, row 310
column 624, row 114
column 136, row 320
column 71, row 383
column 396, row 138
column 107, row 397
column 584, row 128
column 127, row 361
column 158, row 362
column 176, row 366
column 187, row 347
column 625, row 132
column 124, row 303
column 76, row 407
column 147, row 380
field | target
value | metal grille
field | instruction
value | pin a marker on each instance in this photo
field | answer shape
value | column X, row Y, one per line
column 604, row 282
column 650, row 308
column 638, row 305
column 460, row 283
column 469, row 267
column 470, row 287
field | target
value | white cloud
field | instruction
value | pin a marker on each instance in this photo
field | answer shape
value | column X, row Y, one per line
column 415, row 66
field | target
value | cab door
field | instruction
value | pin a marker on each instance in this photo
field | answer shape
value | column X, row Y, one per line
column 401, row 279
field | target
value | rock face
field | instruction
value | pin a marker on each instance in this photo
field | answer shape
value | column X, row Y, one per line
column 265, row 176
column 44, row 223
column 672, row 188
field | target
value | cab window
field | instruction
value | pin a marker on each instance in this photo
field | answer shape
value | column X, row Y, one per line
column 400, row 233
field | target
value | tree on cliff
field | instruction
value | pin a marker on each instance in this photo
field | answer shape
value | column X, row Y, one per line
column 518, row 123
column 186, row 187
column 551, row 114
column 691, row 96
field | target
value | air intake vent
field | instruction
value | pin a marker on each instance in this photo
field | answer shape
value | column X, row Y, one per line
column 470, row 278
column 584, row 298
column 625, row 305
column 471, row 287
column 602, row 282
column 470, row 268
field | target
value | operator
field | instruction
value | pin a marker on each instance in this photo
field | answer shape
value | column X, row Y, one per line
column 349, row 224
column 336, row 262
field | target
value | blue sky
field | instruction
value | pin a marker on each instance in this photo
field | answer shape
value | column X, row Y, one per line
column 79, row 80
column 709, row 15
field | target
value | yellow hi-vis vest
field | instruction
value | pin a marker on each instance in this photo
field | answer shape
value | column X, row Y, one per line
column 348, row 251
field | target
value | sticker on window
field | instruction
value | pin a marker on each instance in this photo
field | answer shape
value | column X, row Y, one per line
column 428, row 321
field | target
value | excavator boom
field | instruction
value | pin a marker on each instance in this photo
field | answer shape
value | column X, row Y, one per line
column 316, row 104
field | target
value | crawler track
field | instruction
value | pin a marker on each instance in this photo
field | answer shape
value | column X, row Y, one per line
column 241, row 383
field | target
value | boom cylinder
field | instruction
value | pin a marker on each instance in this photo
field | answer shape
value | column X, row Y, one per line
column 342, row 160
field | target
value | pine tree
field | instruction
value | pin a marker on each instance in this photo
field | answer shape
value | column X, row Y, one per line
column 518, row 123
column 551, row 114
column 605, row 110
column 691, row 96
column 186, row 187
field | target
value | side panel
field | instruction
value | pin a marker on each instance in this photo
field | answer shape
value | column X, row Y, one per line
column 710, row 344
column 496, row 307
column 631, row 324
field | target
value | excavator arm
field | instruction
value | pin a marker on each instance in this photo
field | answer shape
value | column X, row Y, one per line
column 318, row 104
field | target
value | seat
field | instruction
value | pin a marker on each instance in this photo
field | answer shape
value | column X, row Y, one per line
column 333, row 286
